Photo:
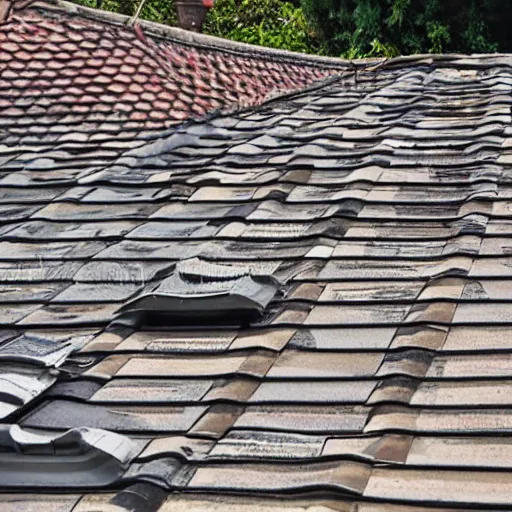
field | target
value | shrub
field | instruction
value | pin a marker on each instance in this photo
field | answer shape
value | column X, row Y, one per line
column 359, row 28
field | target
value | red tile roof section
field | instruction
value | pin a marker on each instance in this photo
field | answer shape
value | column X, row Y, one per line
column 56, row 64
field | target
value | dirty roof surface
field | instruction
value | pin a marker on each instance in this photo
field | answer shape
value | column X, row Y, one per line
column 89, row 70
column 353, row 241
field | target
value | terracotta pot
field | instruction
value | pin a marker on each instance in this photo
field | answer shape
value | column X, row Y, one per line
column 191, row 13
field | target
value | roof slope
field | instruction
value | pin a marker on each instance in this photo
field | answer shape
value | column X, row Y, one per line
column 378, row 377
column 76, row 66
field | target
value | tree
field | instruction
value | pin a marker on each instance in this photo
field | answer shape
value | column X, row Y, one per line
column 359, row 28
column 272, row 23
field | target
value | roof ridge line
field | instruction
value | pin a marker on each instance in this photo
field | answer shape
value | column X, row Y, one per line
column 209, row 42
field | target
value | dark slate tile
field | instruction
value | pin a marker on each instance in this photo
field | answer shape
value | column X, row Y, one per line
column 13, row 313
column 111, row 195
column 49, row 250
column 98, row 292
column 165, row 230
column 140, row 497
column 60, row 414
column 29, row 293
column 42, row 349
column 127, row 272
column 74, row 389
column 144, row 250
column 17, row 211
column 22, row 195
column 167, row 471
column 277, row 211
column 51, row 231
column 188, row 211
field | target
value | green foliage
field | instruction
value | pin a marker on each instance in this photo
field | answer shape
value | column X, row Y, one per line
column 271, row 23
column 438, row 35
column 160, row 11
column 362, row 28
column 348, row 28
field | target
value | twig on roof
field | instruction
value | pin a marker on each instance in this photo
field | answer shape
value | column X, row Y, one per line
column 134, row 18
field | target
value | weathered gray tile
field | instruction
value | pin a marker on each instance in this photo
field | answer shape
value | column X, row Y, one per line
column 440, row 486
column 314, row 392
column 297, row 418
column 266, row 445
column 351, row 476
column 59, row 414
column 315, row 365
column 344, row 338
column 150, row 390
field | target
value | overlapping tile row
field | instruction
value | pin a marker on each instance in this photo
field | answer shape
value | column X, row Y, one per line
column 77, row 77
column 379, row 373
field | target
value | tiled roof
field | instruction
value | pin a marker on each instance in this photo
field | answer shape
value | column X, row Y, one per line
column 81, row 68
column 367, row 217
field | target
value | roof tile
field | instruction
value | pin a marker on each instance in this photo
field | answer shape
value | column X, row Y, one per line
column 379, row 208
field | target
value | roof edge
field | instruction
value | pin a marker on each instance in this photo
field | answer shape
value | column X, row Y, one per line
column 208, row 42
